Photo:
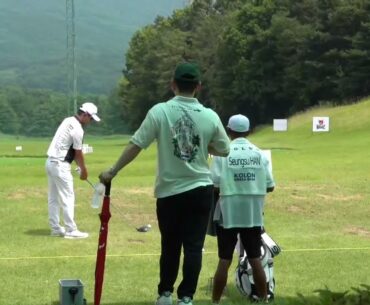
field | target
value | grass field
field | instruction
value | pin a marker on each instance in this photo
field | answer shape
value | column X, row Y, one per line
column 319, row 214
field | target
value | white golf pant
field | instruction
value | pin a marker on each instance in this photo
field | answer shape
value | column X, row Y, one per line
column 60, row 194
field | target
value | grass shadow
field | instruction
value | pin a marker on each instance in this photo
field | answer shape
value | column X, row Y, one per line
column 282, row 148
column 38, row 232
column 23, row 156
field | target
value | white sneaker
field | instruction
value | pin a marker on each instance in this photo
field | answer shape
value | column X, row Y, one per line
column 76, row 234
column 164, row 299
column 58, row 232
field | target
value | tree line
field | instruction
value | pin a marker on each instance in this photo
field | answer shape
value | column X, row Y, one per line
column 263, row 58
column 38, row 112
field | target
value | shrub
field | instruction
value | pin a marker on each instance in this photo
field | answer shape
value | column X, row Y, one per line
column 355, row 296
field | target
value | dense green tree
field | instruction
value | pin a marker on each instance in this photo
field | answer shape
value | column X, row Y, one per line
column 153, row 54
column 9, row 122
column 247, row 68
column 358, row 85
column 302, row 56
column 114, row 114
column 35, row 112
column 188, row 35
column 351, row 24
column 40, row 123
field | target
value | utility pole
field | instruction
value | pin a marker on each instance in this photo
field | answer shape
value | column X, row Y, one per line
column 71, row 57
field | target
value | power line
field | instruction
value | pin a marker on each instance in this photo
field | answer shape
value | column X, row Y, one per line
column 71, row 57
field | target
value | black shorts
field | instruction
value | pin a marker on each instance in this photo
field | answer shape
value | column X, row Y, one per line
column 227, row 239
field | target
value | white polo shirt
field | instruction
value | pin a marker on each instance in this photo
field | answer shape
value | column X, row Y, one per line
column 68, row 135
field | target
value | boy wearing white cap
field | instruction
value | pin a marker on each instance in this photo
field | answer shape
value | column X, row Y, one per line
column 243, row 179
column 66, row 147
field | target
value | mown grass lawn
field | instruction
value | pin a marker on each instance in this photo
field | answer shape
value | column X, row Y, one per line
column 319, row 214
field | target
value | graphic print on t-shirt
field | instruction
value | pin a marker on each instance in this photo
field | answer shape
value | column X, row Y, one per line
column 185, row 141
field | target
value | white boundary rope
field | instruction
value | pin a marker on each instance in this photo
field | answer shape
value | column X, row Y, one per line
column 157, row 254
column 325, row 249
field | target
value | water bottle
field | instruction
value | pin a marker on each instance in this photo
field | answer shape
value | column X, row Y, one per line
column 98, row 195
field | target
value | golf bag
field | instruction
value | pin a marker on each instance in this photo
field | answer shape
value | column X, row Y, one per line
column 243, row 273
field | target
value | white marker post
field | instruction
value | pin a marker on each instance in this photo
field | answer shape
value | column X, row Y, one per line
column 320, row 124
column 280, row 125
column 87, row 149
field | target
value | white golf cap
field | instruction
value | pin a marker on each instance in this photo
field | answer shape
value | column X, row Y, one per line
column 238, row 123
column 91, row 109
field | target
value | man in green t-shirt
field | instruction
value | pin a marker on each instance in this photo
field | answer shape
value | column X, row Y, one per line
column 186, row 132
column 243, row 179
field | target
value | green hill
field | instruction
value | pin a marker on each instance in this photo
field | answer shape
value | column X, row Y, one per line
column 348, row 123
column 33, row 40
column 344, row 149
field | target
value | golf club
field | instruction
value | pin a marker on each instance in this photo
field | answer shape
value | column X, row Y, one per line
column 78, row 170
column 89, row 182
column 144, row 228
column 99, row 190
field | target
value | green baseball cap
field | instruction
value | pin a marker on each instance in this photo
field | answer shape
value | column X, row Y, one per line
column 188, row 72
